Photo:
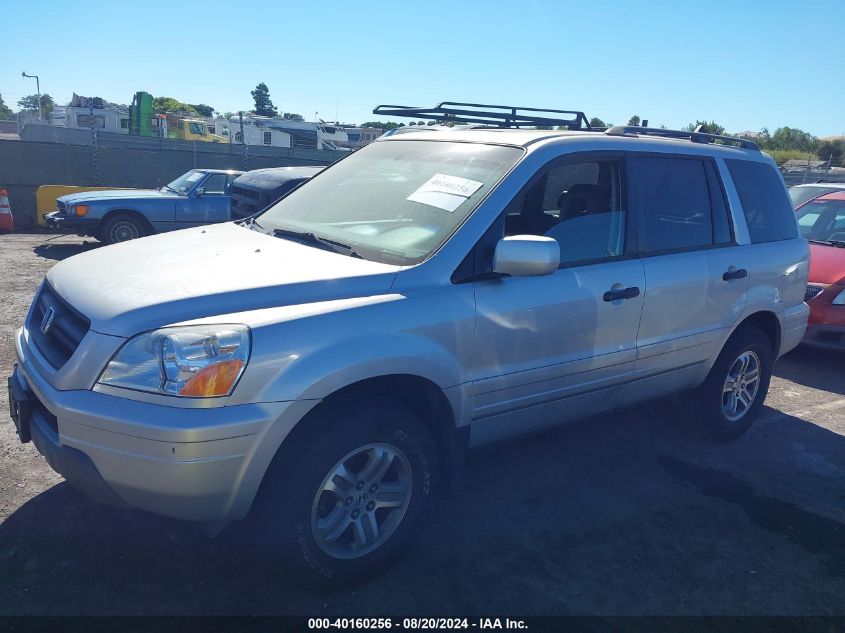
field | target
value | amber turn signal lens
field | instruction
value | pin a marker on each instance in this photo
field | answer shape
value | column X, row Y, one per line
column 81, row 210
column 214, row 380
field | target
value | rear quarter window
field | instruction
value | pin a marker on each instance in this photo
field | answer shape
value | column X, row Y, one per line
column 765, row 204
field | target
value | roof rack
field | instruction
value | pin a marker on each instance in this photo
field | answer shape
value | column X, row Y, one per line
column 694, row 136
column 492, row 115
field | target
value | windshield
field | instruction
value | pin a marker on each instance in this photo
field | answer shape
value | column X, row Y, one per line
column 800, row 195
column 187, row 181
column 823, row 220
column 396, row 201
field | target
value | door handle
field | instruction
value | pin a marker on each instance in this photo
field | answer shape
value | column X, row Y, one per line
column 622, row 293
column 735, row 273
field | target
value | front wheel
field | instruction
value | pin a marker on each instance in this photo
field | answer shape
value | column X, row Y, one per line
column 121, row 227
column 345, row 501
column 730, row 399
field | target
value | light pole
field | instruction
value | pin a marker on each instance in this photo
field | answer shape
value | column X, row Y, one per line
column 38, row 90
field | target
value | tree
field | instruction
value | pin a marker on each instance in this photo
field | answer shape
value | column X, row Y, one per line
column 202, row 109
column 785, row 138
column 5, row 111
column 597, row 122
column 381, row 125
column 263, row 105
column 707, row 127
column 634, row 120
column 31, row 103
column 163, row 105
column 834, row 151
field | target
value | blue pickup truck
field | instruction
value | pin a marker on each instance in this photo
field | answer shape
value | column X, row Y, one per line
column 200, row 196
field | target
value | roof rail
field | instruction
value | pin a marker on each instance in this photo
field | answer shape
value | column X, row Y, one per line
column 493, row 115
column 694, row 136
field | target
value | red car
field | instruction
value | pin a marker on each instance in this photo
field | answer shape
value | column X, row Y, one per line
column 822, row 222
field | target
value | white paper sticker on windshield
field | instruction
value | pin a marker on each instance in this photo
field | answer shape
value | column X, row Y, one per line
column 194, row 177
column 445, row 192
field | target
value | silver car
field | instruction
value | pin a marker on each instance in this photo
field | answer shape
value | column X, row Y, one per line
column 329, row 363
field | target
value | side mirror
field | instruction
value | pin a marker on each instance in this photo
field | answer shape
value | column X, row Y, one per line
column 526, row 256
column 200, row 191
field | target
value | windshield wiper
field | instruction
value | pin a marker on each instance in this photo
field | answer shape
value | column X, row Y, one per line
column 837, row 243
column 250, row 221
column 169, row 188
column 315, row 240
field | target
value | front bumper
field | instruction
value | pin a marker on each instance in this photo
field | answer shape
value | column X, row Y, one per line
column 196, row 464
column 71, row 223
column 825, row 336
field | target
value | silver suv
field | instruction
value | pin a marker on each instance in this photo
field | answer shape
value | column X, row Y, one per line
column 329, row 362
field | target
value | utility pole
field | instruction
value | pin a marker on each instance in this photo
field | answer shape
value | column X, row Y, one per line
column 37, row 89
column 243, row 138
column 95, row 158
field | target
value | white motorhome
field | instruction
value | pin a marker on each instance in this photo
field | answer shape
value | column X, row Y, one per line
column 287, row 132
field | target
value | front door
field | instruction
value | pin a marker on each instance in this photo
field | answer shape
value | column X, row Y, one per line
column 560, row 346
column 207, row 203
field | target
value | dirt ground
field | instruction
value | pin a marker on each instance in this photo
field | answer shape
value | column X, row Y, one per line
column 628, row 514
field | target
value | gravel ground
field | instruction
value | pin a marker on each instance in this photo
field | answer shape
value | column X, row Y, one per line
column 627, row 514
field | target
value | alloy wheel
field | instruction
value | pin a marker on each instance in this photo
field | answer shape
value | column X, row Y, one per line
column 124, row 231
column 361, row 501
column 741, row 386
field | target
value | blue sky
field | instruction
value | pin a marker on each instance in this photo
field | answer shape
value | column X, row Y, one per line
column 745, row 64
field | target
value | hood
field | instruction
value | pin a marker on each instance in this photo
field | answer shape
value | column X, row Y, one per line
column 111, row 194
column 827, row 264
column 207, row 271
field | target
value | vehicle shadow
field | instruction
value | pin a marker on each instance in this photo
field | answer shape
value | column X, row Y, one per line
column 624, row 514
column 812, row 367
column 63, row 250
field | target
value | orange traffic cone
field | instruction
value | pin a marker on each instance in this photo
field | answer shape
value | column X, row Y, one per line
column 7, row 222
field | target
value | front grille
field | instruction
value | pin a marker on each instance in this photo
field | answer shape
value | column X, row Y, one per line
column 66, row 328
column 812, row 291
column 61, row 207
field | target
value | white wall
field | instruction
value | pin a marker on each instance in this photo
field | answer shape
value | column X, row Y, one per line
column 254, row 134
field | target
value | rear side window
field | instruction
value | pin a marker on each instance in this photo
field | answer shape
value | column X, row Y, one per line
column 674, row 196
column 766, row 206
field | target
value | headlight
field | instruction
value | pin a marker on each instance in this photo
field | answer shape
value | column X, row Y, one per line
column 199, row 361
column 839, row 300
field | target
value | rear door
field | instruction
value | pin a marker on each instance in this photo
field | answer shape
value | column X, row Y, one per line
column 560, row 346
column 696, row 276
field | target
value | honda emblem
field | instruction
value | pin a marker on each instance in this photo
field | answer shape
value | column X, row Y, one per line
column 47, row 321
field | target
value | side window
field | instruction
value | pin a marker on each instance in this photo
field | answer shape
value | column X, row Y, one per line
column 268, row 138
column 766, row 206
column 215, row 185
column 577, row 203
column 674, row 196
column 822, row 220
column 229, row 181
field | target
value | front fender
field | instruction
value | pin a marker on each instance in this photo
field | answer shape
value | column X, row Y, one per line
column 153, row 212
column 308, row 352
column 319, row 373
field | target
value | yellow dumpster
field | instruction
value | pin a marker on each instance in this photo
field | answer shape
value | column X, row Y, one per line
column 45, row 197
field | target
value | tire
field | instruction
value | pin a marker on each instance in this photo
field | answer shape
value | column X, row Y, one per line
column 295, row 520
column 121, row 227
column 724, row 415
